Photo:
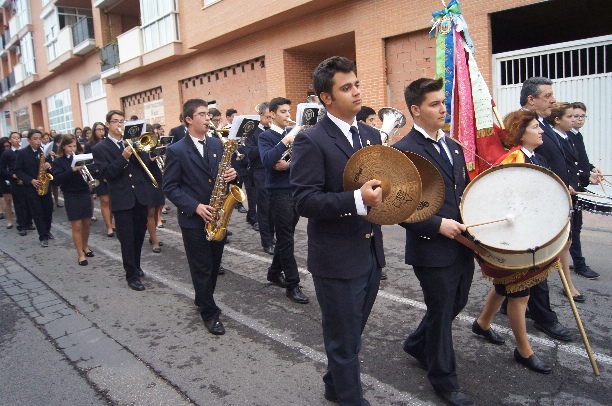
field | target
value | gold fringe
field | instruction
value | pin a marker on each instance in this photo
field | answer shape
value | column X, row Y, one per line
column 446, row 128
column 516, row 287
column 485, row 132
column 470, row 166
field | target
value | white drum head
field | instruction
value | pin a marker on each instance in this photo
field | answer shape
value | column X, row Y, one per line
column 535, row 199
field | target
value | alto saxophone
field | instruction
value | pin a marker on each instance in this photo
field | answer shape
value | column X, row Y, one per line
column 223, row 201
column 43, row 176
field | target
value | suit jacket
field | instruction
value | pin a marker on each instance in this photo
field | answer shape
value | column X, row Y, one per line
column 584, row 165
column 561, row 160
column 177, row 133
column 339, row 244
column 26, row 166
column 7, row 164
column 126, row 179
column 188, row 181
column 251, row 148
column 425, row 246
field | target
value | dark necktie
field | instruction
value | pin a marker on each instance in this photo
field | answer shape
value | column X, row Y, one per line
column 204, row 150
column 534, row 159
column 443, row 154
column 120, row 145
column 569, row 144
column 356, row 139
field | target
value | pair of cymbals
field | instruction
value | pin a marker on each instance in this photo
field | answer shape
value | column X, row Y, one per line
column 413, row 189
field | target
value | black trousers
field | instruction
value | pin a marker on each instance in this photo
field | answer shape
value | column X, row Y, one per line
column 41, row 208
column 264, row 216
column 204, row 259
column 285, row 219
column 24, row 217
column 345, row 308
column 251, row 193
column 445, row 292
column 131, row 227
column 576, row 247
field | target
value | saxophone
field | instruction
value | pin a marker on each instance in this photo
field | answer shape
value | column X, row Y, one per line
column 43, row 176
column 221, row 201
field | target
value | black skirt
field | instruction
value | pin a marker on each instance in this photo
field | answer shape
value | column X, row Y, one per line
column 5, row 189
column 78, row 206
column 102, row 189
column 156, row 194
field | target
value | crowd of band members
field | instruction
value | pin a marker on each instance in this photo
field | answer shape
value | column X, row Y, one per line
column 345, row 255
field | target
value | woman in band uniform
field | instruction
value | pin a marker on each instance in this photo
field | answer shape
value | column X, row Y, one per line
column 98, row 134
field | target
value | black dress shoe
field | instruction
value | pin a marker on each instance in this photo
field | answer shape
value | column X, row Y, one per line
column 136, row 285
column 555, row 330
column 586, row 272
column 31, row 228
column 269, row 249
column 44, row 243
column 9, row 226
column 383, row 275
column 83, row 262
column 140, row 273
column 577, row 298
column 221, row 270
column 242, row 210
column 214, row 326
column 278, row 280
column 330, row 395
column 110, row 234
column 228, row 233
column 161, row 244
column 89, row 254
column 59, row 205
column 23, row 233
column 157, row 250
column 534, row 363
column 490, row 335
column 296, row 295
column 50, row 236
column 456, row 398
column 421, row 358
column 256, row 226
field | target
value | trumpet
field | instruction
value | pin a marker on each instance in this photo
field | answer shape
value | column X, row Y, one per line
column 88, row 178
column 294, row 131
column 146, row 142
column 392, row 119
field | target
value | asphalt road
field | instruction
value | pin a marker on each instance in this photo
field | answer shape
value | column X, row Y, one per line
column 89, row 331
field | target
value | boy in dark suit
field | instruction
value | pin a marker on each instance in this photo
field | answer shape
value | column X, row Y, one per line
column 189, row 179
column 128, row 193
column 442, row 265
column 345, row 251
column 27, row 165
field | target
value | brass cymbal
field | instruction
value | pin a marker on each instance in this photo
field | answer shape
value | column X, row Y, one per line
column 400, row 179
column 432, row 197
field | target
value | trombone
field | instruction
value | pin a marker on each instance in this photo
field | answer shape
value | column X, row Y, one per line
column 146, row 142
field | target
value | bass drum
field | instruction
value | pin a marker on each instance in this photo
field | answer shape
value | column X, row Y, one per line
column 538, row 208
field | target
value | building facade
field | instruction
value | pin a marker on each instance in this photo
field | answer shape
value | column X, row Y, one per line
column 66, row 62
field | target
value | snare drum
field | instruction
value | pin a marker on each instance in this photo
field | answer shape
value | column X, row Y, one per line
column 595, row 204
column 538, row 205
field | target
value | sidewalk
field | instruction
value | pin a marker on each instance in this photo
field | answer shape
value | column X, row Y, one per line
column 67, row 359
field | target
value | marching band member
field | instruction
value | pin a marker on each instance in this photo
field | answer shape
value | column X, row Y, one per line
column 367, row 115
column 76, row 196
column 98, row 134
column 345, row 251
column 7, row 167
column 272, row 144
column 128, row 193
column 189, row 179
column 442, row 265
column 28, row 168
column 6, row 206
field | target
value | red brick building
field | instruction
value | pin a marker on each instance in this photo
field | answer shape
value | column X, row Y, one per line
column 66, row 62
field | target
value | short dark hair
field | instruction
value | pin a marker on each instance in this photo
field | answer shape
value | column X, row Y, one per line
column 579, row 105
column 214, row 112
column 229, row 112
column 323, row 76
column 111, row 113
column 531, row 87
column 557, row 111
column 33, row 131
column 516, row 125
column 262, row 107
column 133, row 117
column 191, row 106
column 276, row 102
column 415, row 92
column 364, row 113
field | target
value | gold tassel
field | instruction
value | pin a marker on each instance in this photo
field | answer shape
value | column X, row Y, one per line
column 470, row 166
column 485, row 132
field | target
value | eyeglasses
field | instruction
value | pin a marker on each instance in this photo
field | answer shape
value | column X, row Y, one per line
column 202, row 114
column 117, row 121
column 99, row 129
column 580, row 116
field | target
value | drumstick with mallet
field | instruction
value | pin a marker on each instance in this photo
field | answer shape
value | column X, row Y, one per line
column 509, row 218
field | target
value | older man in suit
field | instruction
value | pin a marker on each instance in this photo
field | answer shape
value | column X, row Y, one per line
column 128, row 193
column 189, row 178
column 345, row 251
column 442, row 265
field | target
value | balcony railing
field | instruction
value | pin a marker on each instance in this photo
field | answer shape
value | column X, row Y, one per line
column 82, row 31
column 109, row 56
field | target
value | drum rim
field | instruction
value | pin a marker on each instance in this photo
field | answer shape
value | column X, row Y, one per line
column 526, row 165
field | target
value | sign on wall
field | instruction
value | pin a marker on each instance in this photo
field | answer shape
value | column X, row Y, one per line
column 154, row 112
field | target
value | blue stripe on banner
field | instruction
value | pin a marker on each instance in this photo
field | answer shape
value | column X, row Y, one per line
column 449, row 77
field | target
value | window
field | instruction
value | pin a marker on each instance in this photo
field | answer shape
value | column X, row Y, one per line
column 58, row 19
column 22, row 11
column 159, row 23
column 93, row 90
column 60, row 112
column 27, row 55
